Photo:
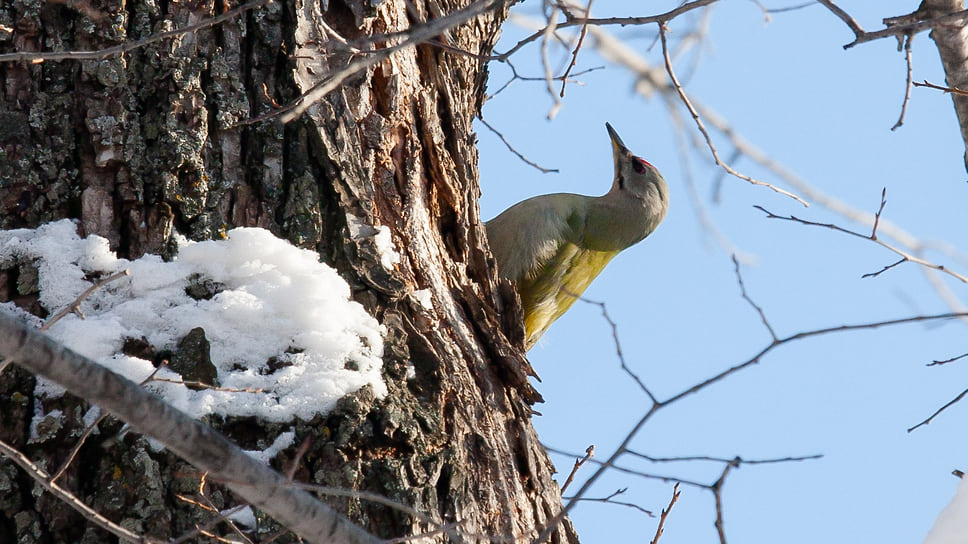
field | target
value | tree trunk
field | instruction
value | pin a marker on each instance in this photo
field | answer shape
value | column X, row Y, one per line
column 952, row 42
column 141, row 145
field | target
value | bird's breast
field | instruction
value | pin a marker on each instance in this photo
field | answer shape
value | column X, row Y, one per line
column 550, row 290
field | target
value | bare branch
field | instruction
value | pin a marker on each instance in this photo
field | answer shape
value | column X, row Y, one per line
column 946, row 361
column 76, row 305
column 622, row 448
column 717, row 490
column 882, row 270
column 905, row 256
column 77, row 447
column 738, row 460
column 906, row 25
column 791, row 8
column 622, row 21
column 511, row 148
column 705, row 133
column 190, row 439
column 610, row 499
column 746, row 297
column 89, row 430
column 549, row 32
column 847, row 19
column 947, row 405
column 766, row 19
column 446, row 528
column 205, row 527
column 300, row 453
column 574, row 54
column 877, row 216
column 203, row 385
column 953, row 90
column 579, row 461
column 68, row 498
column 908, row 82
column 665, row 478
column 618, row 346
column 411, row 38
column 665, row 513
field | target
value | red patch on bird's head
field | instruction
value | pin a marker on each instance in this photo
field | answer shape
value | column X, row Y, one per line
column 640, row 164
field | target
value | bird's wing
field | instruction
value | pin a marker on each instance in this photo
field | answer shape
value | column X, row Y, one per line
column 540, row 244
column 530, row 233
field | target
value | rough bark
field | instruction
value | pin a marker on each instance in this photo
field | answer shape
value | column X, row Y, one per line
column 952, row 43
column 141, row 145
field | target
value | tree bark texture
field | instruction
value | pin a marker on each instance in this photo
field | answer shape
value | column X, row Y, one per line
column 952, row 42
column 141, row 145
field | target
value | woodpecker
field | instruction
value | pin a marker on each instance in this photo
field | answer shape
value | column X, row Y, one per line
column 553, row 246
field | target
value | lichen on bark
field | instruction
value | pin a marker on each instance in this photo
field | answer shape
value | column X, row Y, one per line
column 154, row 142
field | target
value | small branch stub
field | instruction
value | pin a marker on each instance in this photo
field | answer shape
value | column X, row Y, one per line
column 665, row 513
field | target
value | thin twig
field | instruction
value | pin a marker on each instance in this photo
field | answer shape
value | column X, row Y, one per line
column 622, row 448
column 746, row 297
column 665, row 513
column 909, row 28
column 207, row 526
column 702, row 127
column 766, row 12
column 203, row 385
column 40, row 476
column 717, row 490
column 702, row 214
column 77, row 447
column 610, row 499
column 579, row 461
column 76, row 305
column 953, row 90
column 300, row 453
column 88, row 431
column 946, row 361
column 549, row 32
column 847, row 19
column 665, row 478
column 901, row 253
column 446, row 528
column 701, row 458
column 947, row 405
column 511, row 148
column 737, row 459
column 908, row 82
column 618, row 346
column 884, row 269
column 621, row 21
column 877, row 216
column 411, row 38
column 223, row 517
column 792, row 8
column 574, row 54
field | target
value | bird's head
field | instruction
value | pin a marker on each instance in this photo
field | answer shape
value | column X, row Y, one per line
column 635, row 176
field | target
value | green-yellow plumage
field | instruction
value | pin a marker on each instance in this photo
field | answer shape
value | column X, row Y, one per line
column 548, row 295
column 553, row 246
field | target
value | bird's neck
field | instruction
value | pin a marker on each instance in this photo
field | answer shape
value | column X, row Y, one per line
column 616, row 220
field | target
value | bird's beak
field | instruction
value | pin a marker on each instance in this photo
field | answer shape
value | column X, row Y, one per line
column 618, row 147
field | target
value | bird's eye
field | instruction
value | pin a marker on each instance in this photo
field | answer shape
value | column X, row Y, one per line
column 639, row 165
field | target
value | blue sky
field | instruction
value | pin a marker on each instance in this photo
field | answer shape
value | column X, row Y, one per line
column 791, row 90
